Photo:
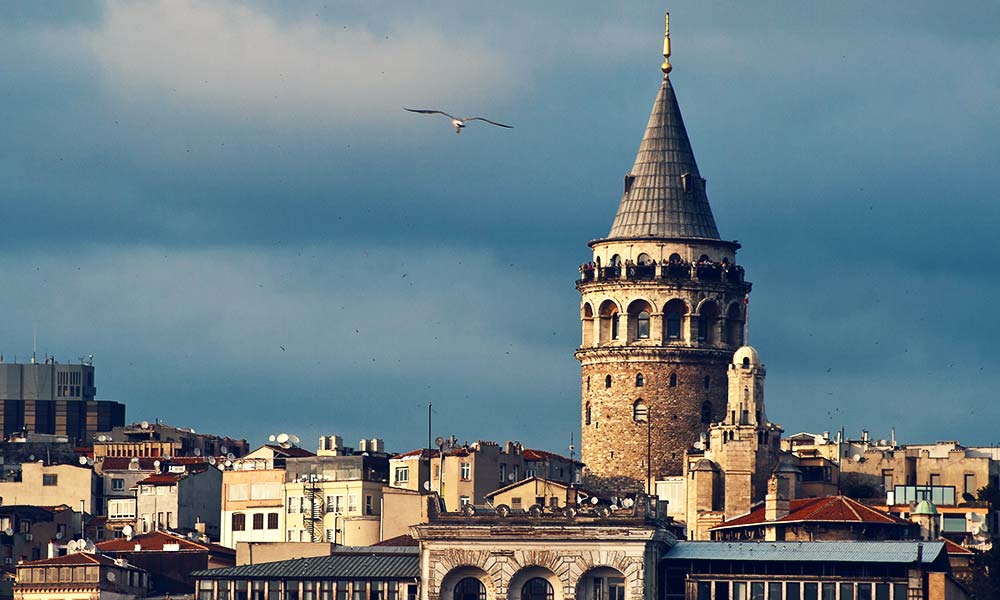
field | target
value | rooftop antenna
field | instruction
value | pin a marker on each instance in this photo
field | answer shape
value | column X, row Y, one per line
column 429, row 425
column 746, row 319
column 34, row 341
column 572, row 447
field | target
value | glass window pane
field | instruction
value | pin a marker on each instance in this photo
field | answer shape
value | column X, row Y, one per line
column 704, row 590
column 847, row 591
column 721, row 590
column 882, row 591
column 792, row 590
column 864, row 591
column 829, row 591
column 756, row 590
column 810, row 591
column 739, row 590
column 774, row 590
column 899, row 591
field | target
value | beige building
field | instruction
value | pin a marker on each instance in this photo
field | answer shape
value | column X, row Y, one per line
column 253, row 495
column 80, row 576
column 588, row 554
column 45, row 485
column 538, row 492
column 728, row 473
column 465, row 474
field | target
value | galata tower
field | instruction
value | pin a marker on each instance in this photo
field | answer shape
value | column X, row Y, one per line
column 663, row 309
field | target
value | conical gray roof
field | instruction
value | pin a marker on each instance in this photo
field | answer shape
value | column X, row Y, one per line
column 664, row 193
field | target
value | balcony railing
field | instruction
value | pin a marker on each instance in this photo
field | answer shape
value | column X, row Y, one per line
column 710, row 271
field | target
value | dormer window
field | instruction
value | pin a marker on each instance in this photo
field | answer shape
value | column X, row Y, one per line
column 746, row 362
column 629, row 180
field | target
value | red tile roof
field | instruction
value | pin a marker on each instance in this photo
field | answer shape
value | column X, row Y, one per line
column 953, row 548
column 400, row 541
column 163, row 479
column 422, row 453
column 533, row 454
column 121, row 463
column 78, row 558
column 155, row 540
column 838, row 509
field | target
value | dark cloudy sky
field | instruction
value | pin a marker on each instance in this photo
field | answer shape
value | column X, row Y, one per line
column 187, row 187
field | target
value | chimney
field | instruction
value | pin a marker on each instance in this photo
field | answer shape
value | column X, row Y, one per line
column 776, row 503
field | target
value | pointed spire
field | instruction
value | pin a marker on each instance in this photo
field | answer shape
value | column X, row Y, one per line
column 665, row 67
column 664, row 192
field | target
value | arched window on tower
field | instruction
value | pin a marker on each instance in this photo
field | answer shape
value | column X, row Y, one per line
column 607, row 381
column 673, row 380
column 640, row 412
column 673, row 317
column 706, row 412
column 639, row 380
column 586, row 415
column 708, row 382
column 746, row 362
column 588, row 383
column 614, row 326
column 642, row 326
column 708, row 317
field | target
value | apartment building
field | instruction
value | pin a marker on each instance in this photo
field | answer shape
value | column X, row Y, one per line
column 465, row 474
column 41, row 484
column 185, row 498
column 158, row 440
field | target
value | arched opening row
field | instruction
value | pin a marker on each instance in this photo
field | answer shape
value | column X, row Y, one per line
column 676, row 323
column 534, row 583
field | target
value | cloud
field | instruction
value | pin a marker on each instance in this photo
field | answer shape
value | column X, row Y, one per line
column 336, row 332
column 232, row 61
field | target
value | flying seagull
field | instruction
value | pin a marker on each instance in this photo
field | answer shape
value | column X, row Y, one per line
column 457, row 122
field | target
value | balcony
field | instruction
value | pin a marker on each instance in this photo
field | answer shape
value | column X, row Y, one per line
column 674, row 272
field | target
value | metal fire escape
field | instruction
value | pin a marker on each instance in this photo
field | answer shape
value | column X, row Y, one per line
column 315, row 508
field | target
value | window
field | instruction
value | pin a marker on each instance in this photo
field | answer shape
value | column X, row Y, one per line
column 537, row 589
column 639, row 381
column 673, row 380
column 970, row 483
column 708, row 382
column 49, row 479
column 503, row 466
column 673, row 326
column 293, row 505
column 935, row 479
column 746, row 362
column 706, row 412
column 273, row 590
column 272, row 520
column 607, row 381
column 640, row 412
column 642, row 326
column 517, row 472
column 369, row 505
column 774, row 590
column 375, row 591
column 122, row 508
column 614, row 326
column 887, row 480
column 117, row 484
column 847, row 591
column 392, row 593
column 239, row 522
column 586, row 420
column 464, row 501
column 864, row 591
column 352, row 503
column 470, row 588
column 402, row 475
column 358, row 590
column 258, row 521
column 792, row 591
column 466, row 471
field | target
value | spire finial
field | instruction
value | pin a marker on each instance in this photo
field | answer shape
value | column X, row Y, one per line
column 666, row 67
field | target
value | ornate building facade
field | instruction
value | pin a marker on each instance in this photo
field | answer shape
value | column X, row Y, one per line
column 662, row 311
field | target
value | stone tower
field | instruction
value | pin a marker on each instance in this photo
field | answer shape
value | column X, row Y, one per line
column 662, row 312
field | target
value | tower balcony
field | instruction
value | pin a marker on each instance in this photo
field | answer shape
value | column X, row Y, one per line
column 666, row 271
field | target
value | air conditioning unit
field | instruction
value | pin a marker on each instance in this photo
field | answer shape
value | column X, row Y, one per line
column 28, row 537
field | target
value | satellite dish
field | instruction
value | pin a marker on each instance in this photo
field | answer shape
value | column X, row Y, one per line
column 975, row 529
column 427, row 486
column 439, row 441
column 272, row 438
column 59, row 535
column 225, row 450
column 220, row 466
column 228, row 463
column 83, row 460
column 71, row 546
column 211, row 460
column 127, row 531
column 294, row 439
column 628, row 502
column 593, row 500
column 8, row 531
column 31, row 458
column 90, row 462
column 144, row 424
column 510, row 477
column 856, row 458
column 282, row 438
column 89, row 546
column 197, row 451
column 156, row 464
column 230, row 456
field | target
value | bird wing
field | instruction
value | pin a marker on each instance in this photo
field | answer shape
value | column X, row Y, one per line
column 425, row 111
column 488, row 121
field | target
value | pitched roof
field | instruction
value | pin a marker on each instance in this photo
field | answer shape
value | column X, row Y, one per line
column 347, row 563
column 121, row 463
column 533, row 454
column 839, row 509
column 154, row 541
column 655, row 202
column 77, row 558
column 291, row 451
column 954, row 548
column 400, row 541
column 884, row 552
